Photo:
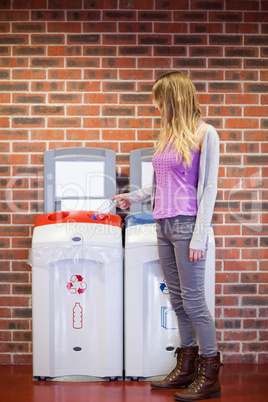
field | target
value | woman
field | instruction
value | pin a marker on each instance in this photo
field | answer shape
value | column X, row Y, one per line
column 183, row 194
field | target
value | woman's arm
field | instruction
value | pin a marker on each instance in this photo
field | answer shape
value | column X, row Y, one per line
column 207, row 189
column 126, row 199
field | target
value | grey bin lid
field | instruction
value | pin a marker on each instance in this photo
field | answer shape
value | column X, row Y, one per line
column 140, row 218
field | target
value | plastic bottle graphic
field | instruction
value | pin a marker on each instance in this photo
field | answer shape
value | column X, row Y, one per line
column 104, row 209
column 77, row 316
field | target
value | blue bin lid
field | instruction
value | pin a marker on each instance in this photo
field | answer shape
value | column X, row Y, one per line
column 140, row 218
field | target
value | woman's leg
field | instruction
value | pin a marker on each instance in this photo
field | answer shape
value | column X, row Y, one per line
column 169, row 266
column 192, row 285
column 186, row 284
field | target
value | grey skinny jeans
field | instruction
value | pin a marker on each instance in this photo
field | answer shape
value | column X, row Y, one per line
column 186, row 283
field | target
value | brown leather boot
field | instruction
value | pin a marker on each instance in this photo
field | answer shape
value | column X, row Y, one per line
column 184, row 373
column 207, row 384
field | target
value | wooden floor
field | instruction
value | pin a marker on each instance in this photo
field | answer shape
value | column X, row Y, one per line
column 240, row 383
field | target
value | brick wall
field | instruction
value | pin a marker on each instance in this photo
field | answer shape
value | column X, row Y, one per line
column 79, row 73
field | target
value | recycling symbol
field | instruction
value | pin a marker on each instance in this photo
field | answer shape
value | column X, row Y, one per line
column 163, row 287
column 76, row 285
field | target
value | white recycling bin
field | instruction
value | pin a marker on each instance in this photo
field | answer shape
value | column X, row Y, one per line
column 77, row 278
column 151, row 328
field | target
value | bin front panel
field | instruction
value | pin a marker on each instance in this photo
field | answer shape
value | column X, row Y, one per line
column 87, row 309
column 160, row 322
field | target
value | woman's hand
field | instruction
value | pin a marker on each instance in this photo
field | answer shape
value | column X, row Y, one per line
column 122, row 200
column 196, row 255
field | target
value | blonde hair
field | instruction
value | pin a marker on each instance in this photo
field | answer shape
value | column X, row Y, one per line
column 175, row 96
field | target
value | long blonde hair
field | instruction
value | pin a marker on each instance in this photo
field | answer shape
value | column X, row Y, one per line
column 175, row 96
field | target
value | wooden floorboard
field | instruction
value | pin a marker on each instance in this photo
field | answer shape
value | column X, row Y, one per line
column 240, row 383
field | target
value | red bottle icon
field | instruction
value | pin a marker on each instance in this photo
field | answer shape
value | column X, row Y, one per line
column 77, row 316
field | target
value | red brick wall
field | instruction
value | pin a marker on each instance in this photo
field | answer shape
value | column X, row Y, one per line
column 79, row 73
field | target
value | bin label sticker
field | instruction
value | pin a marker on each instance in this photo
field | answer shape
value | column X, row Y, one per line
column 76, row 285
column 168, row 318
column 164, row 288
column 77, row 316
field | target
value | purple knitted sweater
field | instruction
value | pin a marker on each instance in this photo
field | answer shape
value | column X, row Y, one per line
column 176, row 184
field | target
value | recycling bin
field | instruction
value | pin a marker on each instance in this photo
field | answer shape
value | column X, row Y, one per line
column 151, row 328
column 77, row 278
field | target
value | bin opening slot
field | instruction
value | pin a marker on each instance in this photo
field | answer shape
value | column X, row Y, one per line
column 58, row 216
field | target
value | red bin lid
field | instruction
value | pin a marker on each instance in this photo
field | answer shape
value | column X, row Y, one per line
column 76, row 216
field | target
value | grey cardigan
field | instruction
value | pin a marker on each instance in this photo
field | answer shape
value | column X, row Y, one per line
column 206, row 190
